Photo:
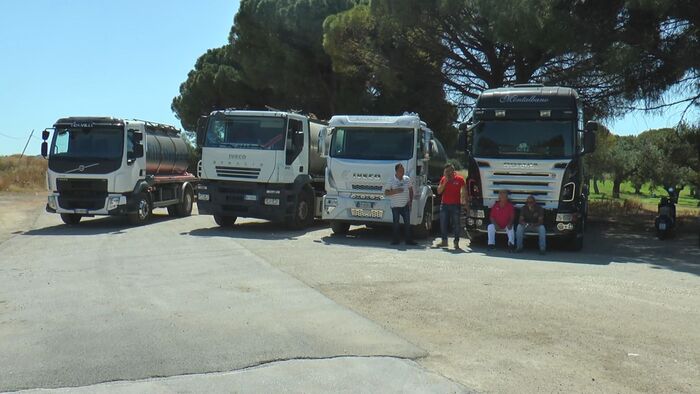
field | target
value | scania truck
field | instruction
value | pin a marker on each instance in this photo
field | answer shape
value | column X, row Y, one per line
column 360, row 161
column 530, row 140
column 110, row 166
column 260, row 164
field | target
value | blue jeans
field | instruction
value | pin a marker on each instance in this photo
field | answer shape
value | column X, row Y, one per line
column 450, row 212
column 541, row 232
column 398, row 212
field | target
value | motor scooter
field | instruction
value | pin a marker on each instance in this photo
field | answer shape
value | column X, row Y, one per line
column 665, row 222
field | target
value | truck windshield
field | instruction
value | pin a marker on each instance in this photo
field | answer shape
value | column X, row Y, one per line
column 100, row 142
column 372, row 143
column 524, row 139
column 246, row 132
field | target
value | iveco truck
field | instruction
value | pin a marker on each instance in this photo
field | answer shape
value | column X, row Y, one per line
column 109, row 166
column 360, row 161
column 260, row 164
column 530, row 140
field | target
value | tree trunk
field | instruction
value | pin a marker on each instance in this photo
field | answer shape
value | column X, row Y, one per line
column 616, row 187
column 637, row 189
column 595, row 186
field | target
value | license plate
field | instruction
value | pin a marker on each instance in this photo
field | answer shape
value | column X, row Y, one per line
column 367, row 213
column 662, row 226
column 364, row 205
column 250, row 197
column 81, row 211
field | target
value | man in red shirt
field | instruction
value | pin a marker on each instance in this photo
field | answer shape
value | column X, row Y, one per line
column 453, row 192
column 502, row 218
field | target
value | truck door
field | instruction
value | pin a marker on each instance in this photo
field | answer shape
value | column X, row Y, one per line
column 295, row 150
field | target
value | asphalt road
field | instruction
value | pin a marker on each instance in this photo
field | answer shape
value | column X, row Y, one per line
column 180, row 304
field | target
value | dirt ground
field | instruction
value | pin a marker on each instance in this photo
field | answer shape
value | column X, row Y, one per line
column 18, row 212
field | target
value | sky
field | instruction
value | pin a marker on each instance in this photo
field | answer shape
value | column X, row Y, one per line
column 125, row 59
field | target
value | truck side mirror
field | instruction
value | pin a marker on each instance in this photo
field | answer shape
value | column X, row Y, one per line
column 588, row 142
column 45, row 134
column 44, row 149
column 138, row 150
column 201, row 129
column 321, row 148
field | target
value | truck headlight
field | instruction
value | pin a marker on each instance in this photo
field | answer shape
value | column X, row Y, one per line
column 52, row 202
column 565, row 217
column 112, row 203
column 477, row 213
column 567, row 192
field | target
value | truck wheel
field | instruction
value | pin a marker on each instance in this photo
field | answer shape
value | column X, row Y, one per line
column 303, row 211
column 143, row 210
column 71, row 219
column 184, row 208
column 225, row 221
column 340, row 228
column 423, row 230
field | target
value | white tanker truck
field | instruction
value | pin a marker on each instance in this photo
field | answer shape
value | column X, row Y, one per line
column 108, row 166
column 260, row 164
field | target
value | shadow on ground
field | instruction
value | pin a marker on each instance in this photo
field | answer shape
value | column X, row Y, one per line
column 605, row 243
column 269, row 231
column 96, row 226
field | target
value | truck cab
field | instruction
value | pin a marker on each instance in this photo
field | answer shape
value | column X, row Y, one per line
column 111, row 166
column 260, row 164
column 361, row 156
column 530, row 140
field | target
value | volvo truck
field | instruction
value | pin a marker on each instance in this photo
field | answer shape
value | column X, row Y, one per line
column 530, row 140
column 361, row 156
column 110, row 166
column 260, row 164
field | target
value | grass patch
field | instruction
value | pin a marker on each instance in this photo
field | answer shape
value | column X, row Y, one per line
column 648, row 199
column 25, row 174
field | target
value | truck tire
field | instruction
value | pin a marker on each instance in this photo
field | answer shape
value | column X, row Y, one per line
column 340, row 228
column 575, row 243
column 225, row 221
column 423, row 230
column 143, row 210
column 71, row 219
column 303, row 211
column 184, row 208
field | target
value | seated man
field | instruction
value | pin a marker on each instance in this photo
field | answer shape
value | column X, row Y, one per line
column 531, row 219
column 502, row 218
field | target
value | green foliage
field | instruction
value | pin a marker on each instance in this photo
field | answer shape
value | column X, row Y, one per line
column 274, row 57
column 398, row 77
column 598, row 163
column 216, row 82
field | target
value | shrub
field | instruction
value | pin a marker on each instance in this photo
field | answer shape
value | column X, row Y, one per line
column 22, row 174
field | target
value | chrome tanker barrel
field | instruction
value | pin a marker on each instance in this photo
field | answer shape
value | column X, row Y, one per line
column 166, row 152
column 317, row 164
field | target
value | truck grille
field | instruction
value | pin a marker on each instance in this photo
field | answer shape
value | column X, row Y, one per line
column 542, row 185
column 81, row 193
column 367, row 187
column 237, row 172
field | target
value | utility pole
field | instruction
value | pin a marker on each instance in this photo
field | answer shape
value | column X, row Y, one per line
column 27, row 144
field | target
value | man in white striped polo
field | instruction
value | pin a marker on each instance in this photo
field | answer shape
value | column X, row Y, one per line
column 399, row 190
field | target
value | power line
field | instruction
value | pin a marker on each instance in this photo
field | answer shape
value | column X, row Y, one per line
column 9, row 136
